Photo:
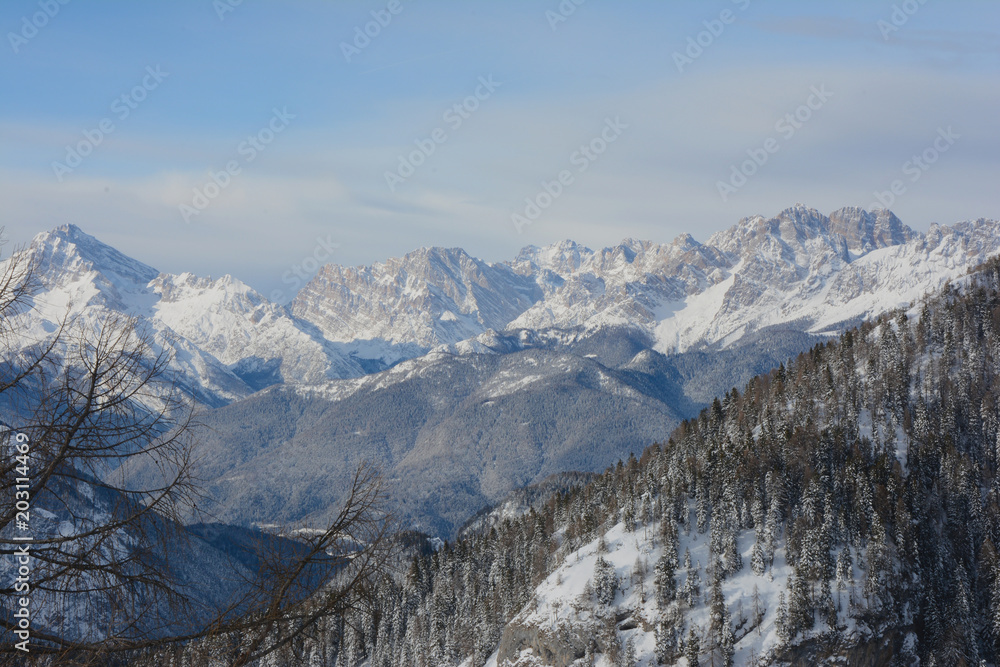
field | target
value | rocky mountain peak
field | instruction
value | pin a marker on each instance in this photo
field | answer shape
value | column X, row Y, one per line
column 428, row 297
column 563, row 258
column 69, row 251
column 684, row 242
column 222, row 293
column 434, row 256
column 866, row 231
column 845, row 231
column 790, row 230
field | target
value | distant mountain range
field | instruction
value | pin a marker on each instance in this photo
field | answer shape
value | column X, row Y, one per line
column 466, row 378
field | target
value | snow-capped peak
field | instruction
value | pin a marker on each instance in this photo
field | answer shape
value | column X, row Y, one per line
column 223, row 338
column 563, row 258
column 68, row 249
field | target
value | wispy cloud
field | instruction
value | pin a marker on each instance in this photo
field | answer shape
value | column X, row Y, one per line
column 326, row 173
column 853, row 29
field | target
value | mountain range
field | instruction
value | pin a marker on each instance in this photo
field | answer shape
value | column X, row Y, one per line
column 839, row 510
column 466, row 379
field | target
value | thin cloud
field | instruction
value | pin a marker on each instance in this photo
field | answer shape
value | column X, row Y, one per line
column 408, row 61
column 835, row 27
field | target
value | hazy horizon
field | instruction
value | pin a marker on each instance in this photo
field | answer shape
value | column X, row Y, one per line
column 442, row 125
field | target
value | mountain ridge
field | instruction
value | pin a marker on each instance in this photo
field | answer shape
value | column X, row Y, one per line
column 349, row 321
column 646, row 332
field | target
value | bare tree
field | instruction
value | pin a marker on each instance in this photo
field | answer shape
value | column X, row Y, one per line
column 79, row 406
column 347, row 558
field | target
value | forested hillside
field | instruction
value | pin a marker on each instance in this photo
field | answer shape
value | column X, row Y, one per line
column 843, row 506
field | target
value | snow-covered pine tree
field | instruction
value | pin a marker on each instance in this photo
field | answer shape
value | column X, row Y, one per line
column 605, row 581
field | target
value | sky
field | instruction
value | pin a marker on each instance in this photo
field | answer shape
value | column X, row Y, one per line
column 261, row 138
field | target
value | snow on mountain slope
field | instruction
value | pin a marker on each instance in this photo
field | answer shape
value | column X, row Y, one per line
column 561, row 258
column 562, row 605
column 453, row 433
column 801, row 269
column 84, row 280
column 789, row 274
column 76, row 271
column 625, row 285
column 225, row 339
column 428, row 297
column 245, row 331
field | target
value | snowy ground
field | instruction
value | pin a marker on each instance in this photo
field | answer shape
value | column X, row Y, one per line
column 565, row 600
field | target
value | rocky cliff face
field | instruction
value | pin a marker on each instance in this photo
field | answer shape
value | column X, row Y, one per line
column 255, row 339
column 428, row 297
column 558, row 649
column 866, row 231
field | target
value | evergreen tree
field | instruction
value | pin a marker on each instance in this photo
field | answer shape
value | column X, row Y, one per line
column 781, row 620
column 758, row 563
column 605, row 581
column 628, row 657
column 720, row 626
column 692, row 648
column 666, row 586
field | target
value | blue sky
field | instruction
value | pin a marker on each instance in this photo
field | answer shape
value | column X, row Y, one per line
column 894, row 78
